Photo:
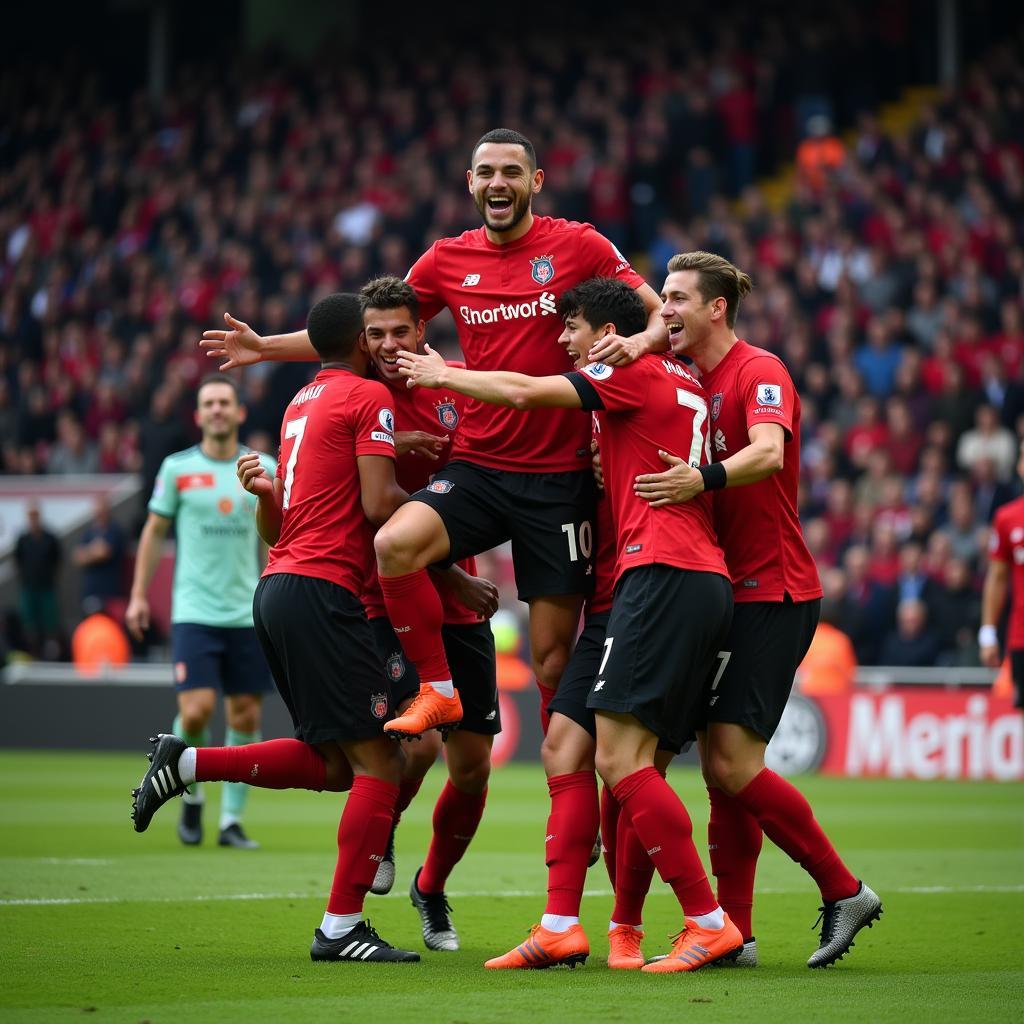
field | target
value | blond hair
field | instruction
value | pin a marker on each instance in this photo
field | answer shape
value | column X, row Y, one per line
column 716, row 277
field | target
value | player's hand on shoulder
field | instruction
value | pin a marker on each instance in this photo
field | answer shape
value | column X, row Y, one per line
column 675, row 485
column 614, row 350
column 422, row 369
column 240, row 345
column 429, row 446
column 136, row 617
column 252, row 476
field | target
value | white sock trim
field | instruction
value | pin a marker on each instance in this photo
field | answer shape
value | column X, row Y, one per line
column 558, row 922
column 716, row 919
column 612, row 925
column 336, row 926
column 445, row 687
column 187, row 766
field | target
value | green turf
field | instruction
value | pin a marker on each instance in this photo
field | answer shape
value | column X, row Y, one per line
column 141, row 929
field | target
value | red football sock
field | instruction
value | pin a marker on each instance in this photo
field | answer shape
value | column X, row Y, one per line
column 414, row 609
column 734, row 843
column 407, row 790
column 609, row 830
column 547, row 693
column 788, row 821
column 362, row 837
column 571, row 832
column 666, row 832
column 272, row 764
column 633, row 878
column 456, row 817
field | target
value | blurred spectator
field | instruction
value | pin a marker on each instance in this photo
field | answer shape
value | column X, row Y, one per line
column 913, row 642
column 98, row 642
column 73, row 452
column 955, row 611
column 988, row 440
column 37, row 554
column 820, row 154
column 100, row 556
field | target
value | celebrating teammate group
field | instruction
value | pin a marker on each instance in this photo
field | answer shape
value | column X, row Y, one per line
column 396, row 468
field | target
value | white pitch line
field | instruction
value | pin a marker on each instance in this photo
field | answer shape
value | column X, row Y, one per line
column 914, row 890
column 73, row 861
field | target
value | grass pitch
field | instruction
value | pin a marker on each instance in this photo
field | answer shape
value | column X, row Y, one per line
column 98, row 923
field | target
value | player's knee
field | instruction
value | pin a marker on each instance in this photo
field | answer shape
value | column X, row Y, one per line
column 563, row 754
column 396, row 551
column 195, row 717
column 728, row 772
column 419, row 756
column 245, row 718
column 549, row 664
column 471, row 777
column 611, row 766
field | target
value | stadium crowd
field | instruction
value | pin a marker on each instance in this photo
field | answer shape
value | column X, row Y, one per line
column 891, row 282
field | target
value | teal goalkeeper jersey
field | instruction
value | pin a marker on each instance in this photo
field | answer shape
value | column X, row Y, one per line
column 218, row 558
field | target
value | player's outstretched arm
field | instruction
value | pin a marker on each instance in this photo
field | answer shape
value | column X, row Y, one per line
column 497, row 387
column 240, row 345
column 993, row 597
column 681, row 482
column 615, row 350
column 151, row 542
column 269, row 491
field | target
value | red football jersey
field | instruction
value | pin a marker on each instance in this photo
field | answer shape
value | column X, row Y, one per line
column 503, row 299
column 327, row 425
column 1006, row 544
column 438, row 413
column 652, row 404
column 604, row 555
column 758, row 525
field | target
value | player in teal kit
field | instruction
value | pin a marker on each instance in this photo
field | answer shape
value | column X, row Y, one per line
column 218, row 563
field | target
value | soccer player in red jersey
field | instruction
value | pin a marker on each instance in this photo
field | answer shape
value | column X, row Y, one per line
column 335, row 480
column 755, row 430
column 1005, row 559
column 512, row 476
column 671, row 607
column 393, row 325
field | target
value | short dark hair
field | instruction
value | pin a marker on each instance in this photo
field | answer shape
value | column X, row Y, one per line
column 334, row 325
column 716, row 276
column 604, row 300
column 507, row 137
column 219, row 378
column 389, row 292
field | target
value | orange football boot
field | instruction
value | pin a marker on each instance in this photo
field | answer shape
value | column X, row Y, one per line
column 545, row 949
column 624, row 948
column 696, row 947
column 428, row 710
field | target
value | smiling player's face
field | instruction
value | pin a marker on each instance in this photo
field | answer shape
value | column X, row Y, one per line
column 218, row 411
column 502, row 185
column 578, row 337
column 388, row 332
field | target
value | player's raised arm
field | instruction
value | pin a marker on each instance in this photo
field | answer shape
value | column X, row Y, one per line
column 516, row 390
column 240, row 345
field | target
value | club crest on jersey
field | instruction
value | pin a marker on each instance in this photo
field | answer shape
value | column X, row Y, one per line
column 716, row 405
column 379, row 705
column 543, row 269
column 448, row 415
column 769, row 394
column 440, row 486
column 395, row 666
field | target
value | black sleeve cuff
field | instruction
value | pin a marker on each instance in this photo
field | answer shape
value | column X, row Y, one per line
column 589, row 398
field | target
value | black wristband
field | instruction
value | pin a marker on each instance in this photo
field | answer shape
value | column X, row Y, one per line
column 714, row 476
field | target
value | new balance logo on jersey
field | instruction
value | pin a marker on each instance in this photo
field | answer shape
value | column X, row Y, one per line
column 545, row 305
column 472, row 280
column 490, row 717
column 599, row 685
column 720, row 442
